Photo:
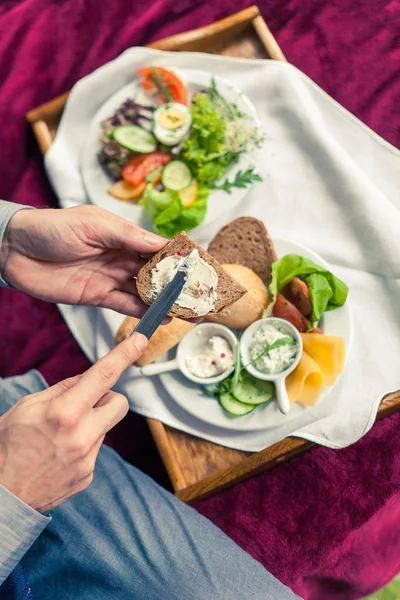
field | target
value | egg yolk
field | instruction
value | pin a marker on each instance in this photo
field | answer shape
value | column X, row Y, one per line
column 172, row 119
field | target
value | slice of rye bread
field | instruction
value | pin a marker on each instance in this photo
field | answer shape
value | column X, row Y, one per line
column 245, row 242
column 228, row 289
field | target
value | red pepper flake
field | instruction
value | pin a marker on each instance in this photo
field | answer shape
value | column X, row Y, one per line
column 157, row 270
column 222, row 355
column 179, row 253
column 211, row 289
column 213, row 362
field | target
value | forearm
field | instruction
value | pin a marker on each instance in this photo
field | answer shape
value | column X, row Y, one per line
column 7, row 211
column 20, row 526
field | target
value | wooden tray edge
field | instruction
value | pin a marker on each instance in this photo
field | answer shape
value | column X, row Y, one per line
column 166, row 451
column 267, row 459
column 36, row 116
column 244, row 16
column 181, row 39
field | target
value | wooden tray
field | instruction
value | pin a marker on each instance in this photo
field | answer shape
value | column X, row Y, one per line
column 197, row 468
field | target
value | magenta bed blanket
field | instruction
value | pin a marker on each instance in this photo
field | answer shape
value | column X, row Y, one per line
column 328, row 523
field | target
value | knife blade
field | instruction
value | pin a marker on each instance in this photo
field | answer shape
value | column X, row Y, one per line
column 160, row 308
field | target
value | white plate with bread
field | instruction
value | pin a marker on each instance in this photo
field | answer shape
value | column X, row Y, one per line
column 191, row 398
column 247, row 254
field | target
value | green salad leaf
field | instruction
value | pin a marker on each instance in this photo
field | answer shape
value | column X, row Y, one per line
column 242, row 180
column 170, row 215
column 155, row 202
column 327, row 291
column 209, row 172
column 207, row 136
column 220, row 133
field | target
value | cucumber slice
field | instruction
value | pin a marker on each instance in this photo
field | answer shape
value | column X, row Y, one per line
column 253, row 391
column 135, row 138
column 233, row 406
column 176, row 176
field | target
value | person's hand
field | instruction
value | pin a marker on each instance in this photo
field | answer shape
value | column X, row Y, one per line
column 49, row 441
column 81, row 255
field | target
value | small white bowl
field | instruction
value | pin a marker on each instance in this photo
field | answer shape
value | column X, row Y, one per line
column 194, row 342
column 279, row 378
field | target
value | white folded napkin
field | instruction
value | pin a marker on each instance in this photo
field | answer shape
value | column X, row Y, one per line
column 330, row 183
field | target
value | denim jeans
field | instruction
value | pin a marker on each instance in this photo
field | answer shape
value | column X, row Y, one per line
column 126, row 538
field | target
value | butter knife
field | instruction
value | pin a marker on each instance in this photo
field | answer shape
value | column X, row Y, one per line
column 163, row 304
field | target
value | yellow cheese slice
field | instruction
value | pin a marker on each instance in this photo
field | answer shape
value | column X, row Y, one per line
column 328, row 352
column 305, row 383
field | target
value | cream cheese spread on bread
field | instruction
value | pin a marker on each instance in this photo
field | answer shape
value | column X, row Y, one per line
column 200, row 290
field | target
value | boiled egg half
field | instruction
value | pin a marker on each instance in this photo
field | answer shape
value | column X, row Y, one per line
column 171, row 123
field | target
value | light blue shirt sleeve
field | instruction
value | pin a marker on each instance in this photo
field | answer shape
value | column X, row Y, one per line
column 20, row 526
column 7, row 210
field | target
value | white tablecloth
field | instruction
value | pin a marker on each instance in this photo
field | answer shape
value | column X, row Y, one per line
column 330, row 183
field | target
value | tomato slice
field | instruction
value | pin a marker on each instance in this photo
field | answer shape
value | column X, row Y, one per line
column 297, row 292
column 135, row 171
column 169, row 80
column 287, row 311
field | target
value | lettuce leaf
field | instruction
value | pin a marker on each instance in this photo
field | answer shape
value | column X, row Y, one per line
column 219, row 134
column 207, row 135
column 155, row 202
column 327, row 291
column 211, row 171
column 170, row 216
column 205, row 149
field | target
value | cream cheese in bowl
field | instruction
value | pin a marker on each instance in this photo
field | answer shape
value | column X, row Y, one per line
column 274, row 346
column 215, row 358
column 205, row 355
column 271, row 349
column 200, row 290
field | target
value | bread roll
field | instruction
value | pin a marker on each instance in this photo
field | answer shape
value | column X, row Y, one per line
column 250, row 307
column 165, row 338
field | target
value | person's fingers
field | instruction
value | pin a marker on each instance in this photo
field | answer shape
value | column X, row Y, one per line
column 58, row 388
column 66, row 384
column 119, row 233
column 109, row 411
column 195, row 320
column 86, row 471
column 129, row 287
column 122, row 265
column 139, row 240
column 127, row 304
column 124, row 303
column 147, row 255
column 104, row 374
column 139, row 263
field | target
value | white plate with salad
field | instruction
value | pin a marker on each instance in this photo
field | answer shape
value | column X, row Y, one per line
column 194, row 399
column 172, row 150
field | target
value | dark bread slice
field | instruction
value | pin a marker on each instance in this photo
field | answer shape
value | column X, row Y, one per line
column 245, row 242
column 228, row 289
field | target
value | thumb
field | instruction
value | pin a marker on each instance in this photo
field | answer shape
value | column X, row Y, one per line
column 104, row 374
column 129, row 236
